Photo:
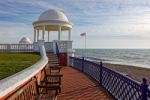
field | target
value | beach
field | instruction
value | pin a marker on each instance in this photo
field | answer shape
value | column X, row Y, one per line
column 135, row 72
column 132, row 62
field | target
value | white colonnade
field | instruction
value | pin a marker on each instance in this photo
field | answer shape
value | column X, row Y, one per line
column 37, row 34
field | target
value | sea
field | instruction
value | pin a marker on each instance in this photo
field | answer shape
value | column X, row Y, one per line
column 133, row 57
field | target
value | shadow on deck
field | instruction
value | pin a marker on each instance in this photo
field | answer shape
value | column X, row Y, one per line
column 78, row 86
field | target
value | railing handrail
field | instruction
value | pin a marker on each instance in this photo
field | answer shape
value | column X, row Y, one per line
column 10, row 83
column 94, row 63
column 57, row 50
column 100, row 73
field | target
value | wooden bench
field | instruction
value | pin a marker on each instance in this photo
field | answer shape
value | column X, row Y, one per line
column 52, row 80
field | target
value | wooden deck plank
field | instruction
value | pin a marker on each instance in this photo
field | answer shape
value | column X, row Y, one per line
column 77, row 86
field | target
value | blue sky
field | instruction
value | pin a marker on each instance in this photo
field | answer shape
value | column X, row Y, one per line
column 108, row 23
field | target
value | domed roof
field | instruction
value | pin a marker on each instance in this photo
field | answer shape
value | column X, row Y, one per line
column 53, row 15
column 25, row 40
column 51, row 20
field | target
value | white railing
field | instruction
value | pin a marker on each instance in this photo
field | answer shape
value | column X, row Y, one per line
column 16, row 47
column 64, row 46
column 10, row 83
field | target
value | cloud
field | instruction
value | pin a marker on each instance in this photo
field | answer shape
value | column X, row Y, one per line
column 108, row 20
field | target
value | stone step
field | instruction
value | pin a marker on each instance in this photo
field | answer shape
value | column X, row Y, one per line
column 53, row 59
column 54, row 62
column 52, row 56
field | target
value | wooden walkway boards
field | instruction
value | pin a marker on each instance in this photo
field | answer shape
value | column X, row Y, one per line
column 77, row 86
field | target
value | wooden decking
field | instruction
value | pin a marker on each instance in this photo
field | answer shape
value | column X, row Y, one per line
column 78, row 86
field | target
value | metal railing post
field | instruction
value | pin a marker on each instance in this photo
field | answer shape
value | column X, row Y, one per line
column 100, row 72
column 82, row 64
column 71, row 61
column 144, row 89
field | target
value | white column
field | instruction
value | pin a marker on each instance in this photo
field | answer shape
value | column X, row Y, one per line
column 69, row 34
column 37, row 35
column 59, row 33
column 48, row 36
column 43, row 32
column 34, row 35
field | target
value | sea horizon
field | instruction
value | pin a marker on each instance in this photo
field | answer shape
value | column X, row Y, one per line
column 132, row 57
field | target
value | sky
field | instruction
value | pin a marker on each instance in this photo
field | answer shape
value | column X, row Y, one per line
column 108, row 23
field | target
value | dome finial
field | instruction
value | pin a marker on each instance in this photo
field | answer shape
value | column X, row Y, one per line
column 53, row 14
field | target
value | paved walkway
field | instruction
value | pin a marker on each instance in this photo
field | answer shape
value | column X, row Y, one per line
column 77, row 86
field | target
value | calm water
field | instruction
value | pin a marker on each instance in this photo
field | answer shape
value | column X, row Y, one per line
column 136, row 57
